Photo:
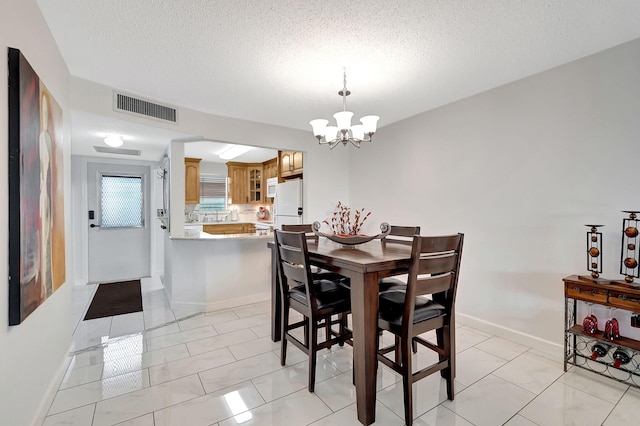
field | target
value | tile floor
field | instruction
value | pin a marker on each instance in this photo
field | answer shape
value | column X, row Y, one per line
column 164, row 367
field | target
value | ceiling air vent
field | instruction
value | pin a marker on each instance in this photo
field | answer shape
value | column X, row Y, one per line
column 132, row 105
column 106, row 150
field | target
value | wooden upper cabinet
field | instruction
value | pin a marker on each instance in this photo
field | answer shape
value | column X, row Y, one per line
column 246, row 184
column 192, row 180
column 254, row 176
column 270, row 168
column 238, row 186
column 291, row 163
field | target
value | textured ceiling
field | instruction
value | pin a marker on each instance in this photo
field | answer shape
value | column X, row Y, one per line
column 281, row 61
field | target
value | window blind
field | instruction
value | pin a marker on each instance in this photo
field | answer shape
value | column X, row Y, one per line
column 212, row 186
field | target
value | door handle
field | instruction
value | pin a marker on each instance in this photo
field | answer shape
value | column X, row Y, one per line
column 93, row 225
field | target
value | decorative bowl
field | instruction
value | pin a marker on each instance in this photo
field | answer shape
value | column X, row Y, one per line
column 352, row 240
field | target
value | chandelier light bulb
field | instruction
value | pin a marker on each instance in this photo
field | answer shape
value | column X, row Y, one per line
column 369, row 122
column 357, row 131
column 331, row 132
column 343, row 119
column 319, row 125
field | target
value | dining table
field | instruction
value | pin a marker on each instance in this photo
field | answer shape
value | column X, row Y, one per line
column 364, row 264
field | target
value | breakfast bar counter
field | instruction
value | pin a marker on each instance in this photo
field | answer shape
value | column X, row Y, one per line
column 205, row 272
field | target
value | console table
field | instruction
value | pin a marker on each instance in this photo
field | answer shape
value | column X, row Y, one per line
column 578, row 343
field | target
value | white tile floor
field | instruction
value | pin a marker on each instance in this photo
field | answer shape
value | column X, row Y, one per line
column 164, row 367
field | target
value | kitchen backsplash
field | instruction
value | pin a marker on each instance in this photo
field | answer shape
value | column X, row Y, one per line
column 248, row 212
column 245, row 213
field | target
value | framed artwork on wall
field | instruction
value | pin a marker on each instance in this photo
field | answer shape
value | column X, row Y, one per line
column 36, row 191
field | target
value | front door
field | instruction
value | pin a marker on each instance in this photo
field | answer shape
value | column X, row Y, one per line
column 118, row 208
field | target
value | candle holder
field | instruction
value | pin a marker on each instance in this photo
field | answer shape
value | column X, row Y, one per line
column 629, row 254
column 594, row 256
column 594, row 251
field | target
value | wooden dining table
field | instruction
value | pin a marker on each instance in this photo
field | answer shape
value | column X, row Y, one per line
column 364, row 265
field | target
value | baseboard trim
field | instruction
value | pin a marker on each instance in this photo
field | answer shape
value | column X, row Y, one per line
column 223, row 304
column 546, row 346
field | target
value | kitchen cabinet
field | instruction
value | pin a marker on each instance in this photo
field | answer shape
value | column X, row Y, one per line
column 256, row 184
column 290, row 163
column 192, row 180
column 245, row 183
column 270, row 168
column 230, row 228
column 596, row 351
column 270, row 171
column 237, row 173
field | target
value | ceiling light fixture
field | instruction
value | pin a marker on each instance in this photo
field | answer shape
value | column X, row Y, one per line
column 233, row 151
column 113, row 140
column 344, row 132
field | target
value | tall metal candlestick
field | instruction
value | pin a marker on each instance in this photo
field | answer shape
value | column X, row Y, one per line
column 594, row 250
column 630, row 253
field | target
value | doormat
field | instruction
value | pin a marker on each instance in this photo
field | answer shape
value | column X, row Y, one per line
column 118, row 298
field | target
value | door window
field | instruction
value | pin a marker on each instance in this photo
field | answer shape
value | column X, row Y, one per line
column 121, row 201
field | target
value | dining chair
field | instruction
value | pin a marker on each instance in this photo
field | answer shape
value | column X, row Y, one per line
column 406, row 313
column 317, row 300
column 397, row 235
column 318, row 273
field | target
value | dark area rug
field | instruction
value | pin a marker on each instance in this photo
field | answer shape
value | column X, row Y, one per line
column 119, row 298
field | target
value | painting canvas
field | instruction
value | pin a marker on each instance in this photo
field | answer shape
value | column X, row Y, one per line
column 36, row 202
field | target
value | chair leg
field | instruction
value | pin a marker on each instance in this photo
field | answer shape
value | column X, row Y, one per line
column 442, row 341
column 284, row 321
column 452, row 348
column 449, row 372
column 327, row 329
column 407, row 382
column 414, row 346
column 343, row 326
column 313, row 343
column 398, row 350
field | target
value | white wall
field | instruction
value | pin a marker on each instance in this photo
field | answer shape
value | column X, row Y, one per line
column 33, row 353
column 213, row 168
column 520, row 170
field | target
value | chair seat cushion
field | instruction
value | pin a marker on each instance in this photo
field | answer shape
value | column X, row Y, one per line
column 331, row 276
column 392, row 307
column 389, row 283
column 329, row 295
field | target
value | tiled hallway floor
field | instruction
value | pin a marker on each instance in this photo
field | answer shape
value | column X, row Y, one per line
column 165, row 367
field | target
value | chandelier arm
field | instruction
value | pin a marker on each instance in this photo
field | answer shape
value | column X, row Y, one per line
column 355, row 142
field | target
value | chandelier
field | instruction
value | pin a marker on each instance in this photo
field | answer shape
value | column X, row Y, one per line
column 344, row 132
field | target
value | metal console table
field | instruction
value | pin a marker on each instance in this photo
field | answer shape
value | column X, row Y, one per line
column 578, row 343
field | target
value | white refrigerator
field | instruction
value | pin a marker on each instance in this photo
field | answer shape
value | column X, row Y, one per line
column 287, row 204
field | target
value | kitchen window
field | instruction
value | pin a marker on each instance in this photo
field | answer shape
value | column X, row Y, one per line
column 213, row 192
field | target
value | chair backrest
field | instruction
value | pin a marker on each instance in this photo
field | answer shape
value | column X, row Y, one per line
column 293, row 261
column 401, row 234
column 307, row 228
column 434, row 270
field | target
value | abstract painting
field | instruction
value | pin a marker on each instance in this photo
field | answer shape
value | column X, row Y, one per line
column 36, row 191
